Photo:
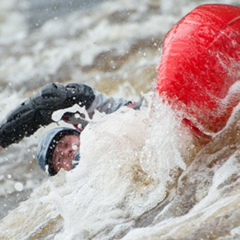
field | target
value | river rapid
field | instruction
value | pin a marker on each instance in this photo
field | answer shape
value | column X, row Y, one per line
column 141, row 174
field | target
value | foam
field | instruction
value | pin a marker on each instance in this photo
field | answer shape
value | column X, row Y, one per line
column 124, row 170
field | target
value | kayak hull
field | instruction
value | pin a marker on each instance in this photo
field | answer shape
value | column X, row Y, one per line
column 199, row 71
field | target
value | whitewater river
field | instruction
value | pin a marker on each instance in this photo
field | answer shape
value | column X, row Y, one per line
column 141, row 175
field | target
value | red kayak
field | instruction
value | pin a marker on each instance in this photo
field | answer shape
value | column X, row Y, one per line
column 200, row 67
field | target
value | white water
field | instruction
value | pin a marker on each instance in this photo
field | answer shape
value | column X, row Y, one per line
column 113, row 181
column 141, row 176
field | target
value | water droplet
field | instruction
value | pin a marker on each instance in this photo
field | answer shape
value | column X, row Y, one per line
column 19, row 186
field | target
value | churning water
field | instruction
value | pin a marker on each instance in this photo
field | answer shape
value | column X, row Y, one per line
column 141, row 175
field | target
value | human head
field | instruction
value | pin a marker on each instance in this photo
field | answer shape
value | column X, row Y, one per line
column 59, row 148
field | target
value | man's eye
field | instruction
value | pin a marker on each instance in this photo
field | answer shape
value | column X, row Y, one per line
column 74, row 147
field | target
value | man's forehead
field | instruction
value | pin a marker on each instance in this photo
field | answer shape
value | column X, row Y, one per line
column 68, row 138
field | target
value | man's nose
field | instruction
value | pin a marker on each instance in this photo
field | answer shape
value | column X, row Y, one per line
column 69, row 151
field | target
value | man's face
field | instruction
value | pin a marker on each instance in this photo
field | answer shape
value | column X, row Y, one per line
column 65, row 152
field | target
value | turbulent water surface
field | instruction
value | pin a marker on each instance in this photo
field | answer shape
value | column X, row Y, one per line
column 141, row 175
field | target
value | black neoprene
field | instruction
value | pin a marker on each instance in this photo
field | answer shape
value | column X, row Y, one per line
column 37, row 111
